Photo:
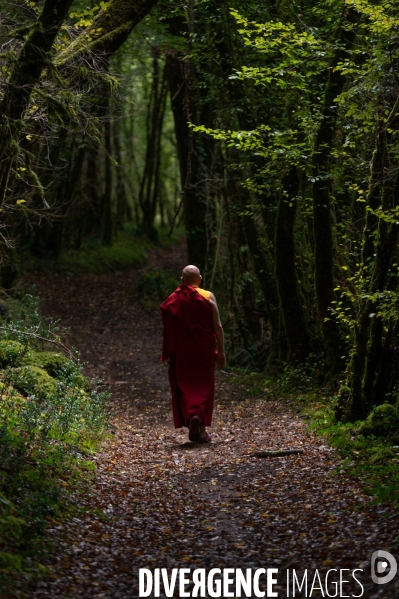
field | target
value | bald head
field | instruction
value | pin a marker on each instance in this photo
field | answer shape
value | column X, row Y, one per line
column 191, row 275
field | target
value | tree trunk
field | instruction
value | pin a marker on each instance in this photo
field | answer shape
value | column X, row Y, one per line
column 92, row 192
column 108, row 227
column 149, row 185
column 388, row 374
column 322, row 219
column 286, row 273
column 386, row 249
column 156, row 197
column 373, row 199
column 251, row 321
column 264, row 274
column 191, row 171
column 120, row 175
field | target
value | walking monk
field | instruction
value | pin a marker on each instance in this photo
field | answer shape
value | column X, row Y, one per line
column 191, row 322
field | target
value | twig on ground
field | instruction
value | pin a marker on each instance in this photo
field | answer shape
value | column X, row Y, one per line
column 229, row 373
column 276, row 453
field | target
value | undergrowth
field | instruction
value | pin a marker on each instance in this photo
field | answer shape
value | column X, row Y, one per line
column 374, row 459
column 127, row 251
column 51, row 416
column 154, row 286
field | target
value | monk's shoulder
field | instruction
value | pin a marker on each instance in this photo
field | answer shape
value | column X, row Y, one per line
column 206, row 294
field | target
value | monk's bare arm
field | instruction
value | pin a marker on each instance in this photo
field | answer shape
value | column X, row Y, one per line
column 218, row 328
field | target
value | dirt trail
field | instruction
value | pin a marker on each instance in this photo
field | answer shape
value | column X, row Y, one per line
column 155, row 503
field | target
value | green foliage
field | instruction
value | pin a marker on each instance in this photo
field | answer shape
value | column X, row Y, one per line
column 285, row 45
column 8, row 561
column 22, row 315
column 303, row 376
column 83, row 17
column 49, row 413
column 381, row 304
column 291, row 63
column 297, row 60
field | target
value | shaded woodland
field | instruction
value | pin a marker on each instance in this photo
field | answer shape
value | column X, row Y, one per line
column 269, row 131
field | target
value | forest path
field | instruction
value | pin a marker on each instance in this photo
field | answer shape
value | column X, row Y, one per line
column 155, row 503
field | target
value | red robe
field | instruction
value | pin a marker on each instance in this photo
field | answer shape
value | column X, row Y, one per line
column 189, row 344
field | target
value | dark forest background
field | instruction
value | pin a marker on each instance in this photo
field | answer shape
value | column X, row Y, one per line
column 266, row 131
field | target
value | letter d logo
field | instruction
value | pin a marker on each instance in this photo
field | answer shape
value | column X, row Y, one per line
column 385, row 561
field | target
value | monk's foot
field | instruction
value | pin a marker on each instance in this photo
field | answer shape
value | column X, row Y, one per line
column 204, row 437
column 194, row 430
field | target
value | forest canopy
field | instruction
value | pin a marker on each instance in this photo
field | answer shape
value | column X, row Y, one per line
column 268, row 131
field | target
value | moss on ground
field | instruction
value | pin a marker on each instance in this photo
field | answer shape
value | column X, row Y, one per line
column 53, row 363
column 33, row 380
column 11, row 352
column 383, row 421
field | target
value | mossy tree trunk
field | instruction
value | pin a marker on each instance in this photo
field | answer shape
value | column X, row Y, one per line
column 385, row 252
column 357, row 408
column 379, row 249
column 109, row 29
column 322, row 218
column 28, row 68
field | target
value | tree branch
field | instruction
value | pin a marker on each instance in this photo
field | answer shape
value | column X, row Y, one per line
column 55, row 342
column 109, row 29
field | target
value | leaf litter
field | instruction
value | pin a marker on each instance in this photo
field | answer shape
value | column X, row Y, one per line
column 158, row 501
